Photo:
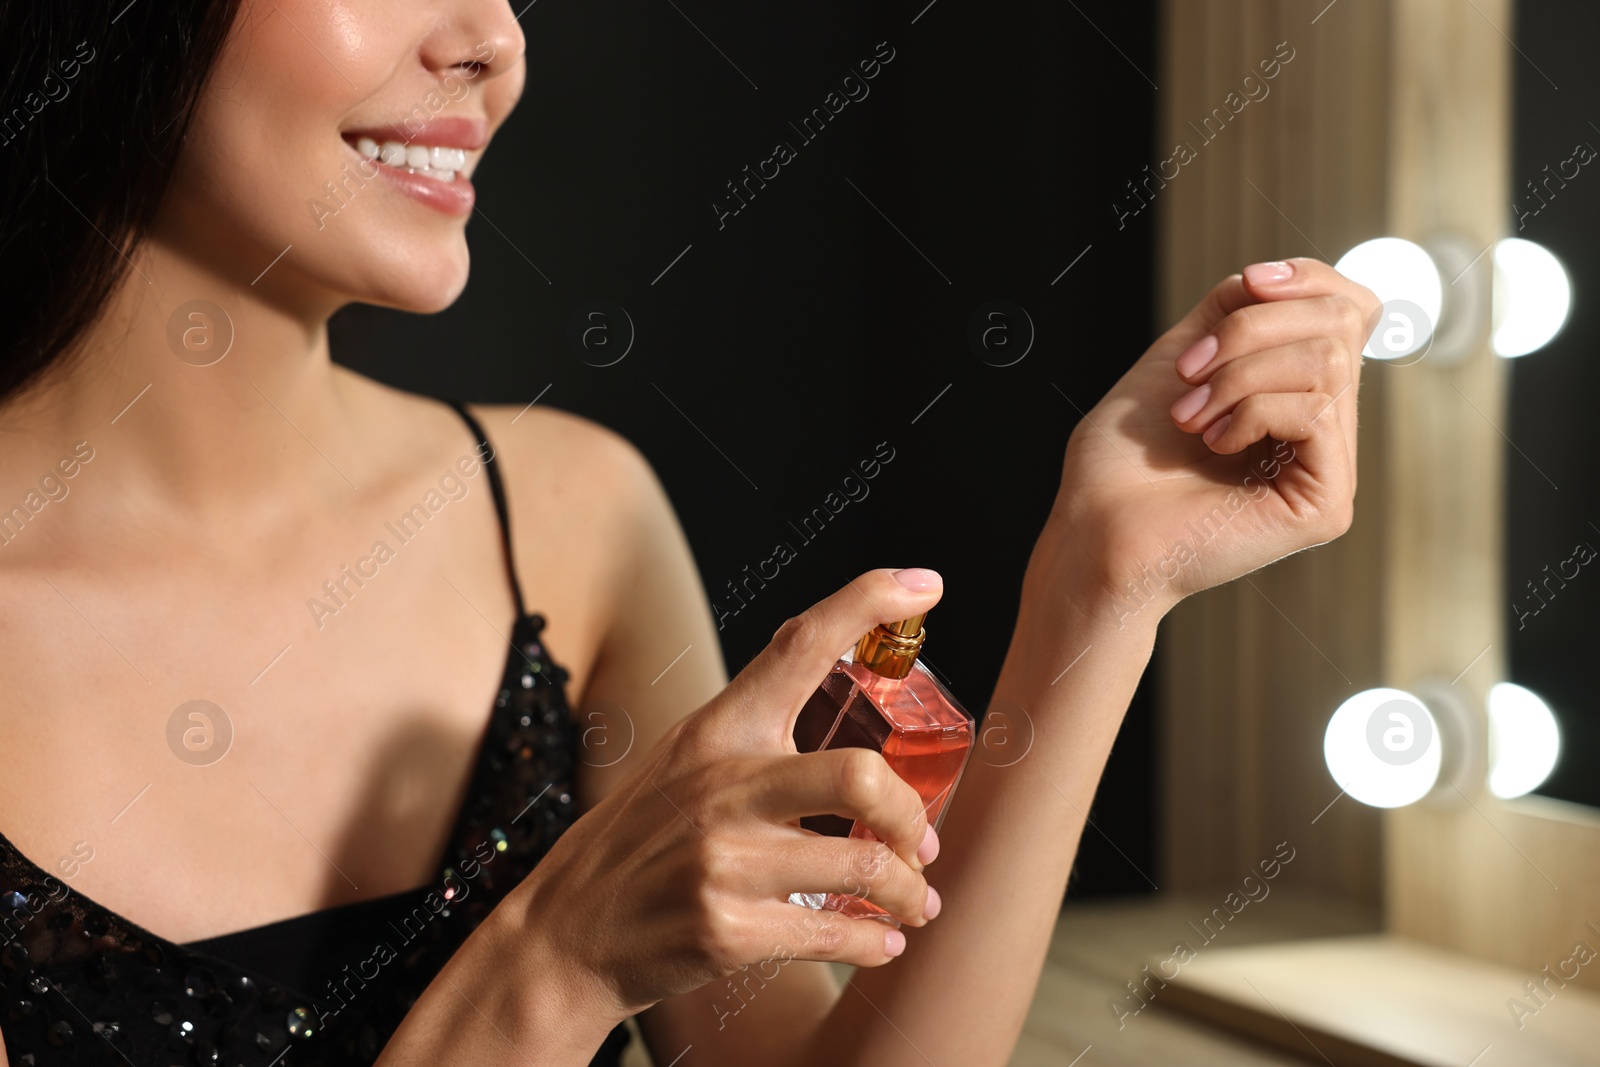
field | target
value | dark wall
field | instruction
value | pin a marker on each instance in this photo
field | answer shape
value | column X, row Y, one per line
column 829, row 313
column 1553, row 494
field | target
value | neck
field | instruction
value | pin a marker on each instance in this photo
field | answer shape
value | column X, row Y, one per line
column 182, row 431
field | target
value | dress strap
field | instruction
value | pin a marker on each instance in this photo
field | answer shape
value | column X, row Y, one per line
column 487, row 456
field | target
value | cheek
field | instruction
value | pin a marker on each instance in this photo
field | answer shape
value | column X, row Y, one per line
column 265, row 134
column 265, row 166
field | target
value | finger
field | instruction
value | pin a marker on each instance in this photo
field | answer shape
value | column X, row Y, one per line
column 804, row 862
column 1293, row 279
column 1259, row 327
column 767, row 695
column 795, row 932
column 1226, row 297
column 1309, row 424
column 1314, row 365
column 856, row 783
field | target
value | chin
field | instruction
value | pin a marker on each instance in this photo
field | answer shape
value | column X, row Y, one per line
column 423, row 284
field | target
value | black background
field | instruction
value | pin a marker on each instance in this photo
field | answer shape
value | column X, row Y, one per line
column 1552, row 494
column 809, row 329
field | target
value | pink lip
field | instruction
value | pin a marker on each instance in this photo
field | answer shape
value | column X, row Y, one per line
column 454, row 198
column 468, row 133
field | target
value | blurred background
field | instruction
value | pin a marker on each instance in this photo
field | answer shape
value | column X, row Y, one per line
column 956, row 256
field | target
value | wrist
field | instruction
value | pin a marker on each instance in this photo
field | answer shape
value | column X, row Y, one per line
column 1075, row 582
column 551, row 994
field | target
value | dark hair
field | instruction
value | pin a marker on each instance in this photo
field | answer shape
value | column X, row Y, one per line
column 95, row 101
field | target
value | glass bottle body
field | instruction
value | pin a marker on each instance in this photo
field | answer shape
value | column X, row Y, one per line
column 922, row 731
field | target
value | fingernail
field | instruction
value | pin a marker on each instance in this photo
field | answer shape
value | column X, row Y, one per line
column 1268, row 273
column 930, row 910
column 894, row 943
column 919, row 579
column 928, row 851
column 1190, row 403
column 1218, row 428
column 1196, row 356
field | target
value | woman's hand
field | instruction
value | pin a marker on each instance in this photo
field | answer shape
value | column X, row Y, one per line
column 1229, row 444
column 682, row 874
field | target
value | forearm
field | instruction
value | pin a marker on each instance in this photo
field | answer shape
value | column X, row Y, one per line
column 966, row 980
column 502, row 1000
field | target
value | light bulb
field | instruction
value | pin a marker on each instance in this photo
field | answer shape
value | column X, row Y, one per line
column 1524, row 740
column 1405, row 278
column 1532, row 295
column 1382, row 748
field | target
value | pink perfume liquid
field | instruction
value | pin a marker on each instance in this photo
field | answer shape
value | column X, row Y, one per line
column 921, row 730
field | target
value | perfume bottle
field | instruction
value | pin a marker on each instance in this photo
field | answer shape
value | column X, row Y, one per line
column 881, row 697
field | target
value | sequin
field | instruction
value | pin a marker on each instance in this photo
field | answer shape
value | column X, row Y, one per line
column 102, row 973
column 197, row 983
column 180, row 1034
column 301, row 1024
column 269, row 1039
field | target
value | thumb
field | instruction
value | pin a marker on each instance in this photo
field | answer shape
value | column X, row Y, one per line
column 769, row 693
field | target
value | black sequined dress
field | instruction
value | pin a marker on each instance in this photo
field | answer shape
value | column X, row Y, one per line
column 83, row 985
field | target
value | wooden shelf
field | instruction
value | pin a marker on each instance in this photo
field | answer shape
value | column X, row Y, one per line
column 1381, row 1001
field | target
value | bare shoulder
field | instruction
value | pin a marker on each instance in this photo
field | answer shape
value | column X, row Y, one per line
column 559, row 451
column 583, row 494
column 545, row 454
column 584, row 504
column 586, row 510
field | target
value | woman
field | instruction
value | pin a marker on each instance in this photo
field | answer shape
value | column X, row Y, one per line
column 224, row 545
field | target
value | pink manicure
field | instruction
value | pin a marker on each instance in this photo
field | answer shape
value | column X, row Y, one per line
column 894, row 943
column 930, row 910
column 1268, row 273
column 918, row 579
column 1218, row 428
column 1196, row 356
column 928, row 851
column 1190, row 403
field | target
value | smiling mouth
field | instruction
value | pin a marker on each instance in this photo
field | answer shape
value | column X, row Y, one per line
column 430, row 161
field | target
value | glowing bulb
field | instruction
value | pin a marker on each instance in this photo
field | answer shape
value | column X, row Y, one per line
column 1532, row 295
column 1524, row 740
column 1382, row 748
column 1404, row 276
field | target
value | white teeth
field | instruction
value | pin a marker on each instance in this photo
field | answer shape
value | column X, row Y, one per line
column 441, row 164
column 447, row 158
